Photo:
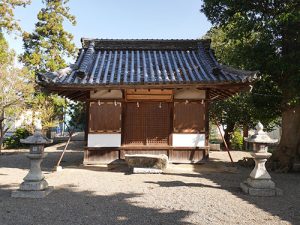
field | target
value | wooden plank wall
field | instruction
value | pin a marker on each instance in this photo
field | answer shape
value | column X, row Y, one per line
column 151, row 109
column 189, row 117
column 105, row 117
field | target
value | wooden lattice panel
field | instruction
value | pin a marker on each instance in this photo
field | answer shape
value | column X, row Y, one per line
column 147, row 123
column 105, row 117
column 189, row 117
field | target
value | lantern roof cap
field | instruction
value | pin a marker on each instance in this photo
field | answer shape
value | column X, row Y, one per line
column 260, row 136
column 36, row 138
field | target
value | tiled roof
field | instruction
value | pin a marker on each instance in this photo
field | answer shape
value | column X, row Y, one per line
column 140, row 62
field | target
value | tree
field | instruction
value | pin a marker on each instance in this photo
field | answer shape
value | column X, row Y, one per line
column 50, row 110
column 16, row 87
column 267, row 33
column 243, row 110
column 48, row 46
column 46, row 49
column 7, row 19
column 76, row 111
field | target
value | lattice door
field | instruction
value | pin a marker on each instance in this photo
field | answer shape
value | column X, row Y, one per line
column 147, row 123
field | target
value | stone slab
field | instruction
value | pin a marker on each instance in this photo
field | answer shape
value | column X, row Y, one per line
column 147, row 161
column 261, row 192
column 31, row 194
column 147, row 170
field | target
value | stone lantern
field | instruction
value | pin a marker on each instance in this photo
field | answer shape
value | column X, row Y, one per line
column 259, row 182
column 34, row 185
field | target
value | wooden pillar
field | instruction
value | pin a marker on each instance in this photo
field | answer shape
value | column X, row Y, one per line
column 123, row 117
column 206, row 123
column 207, row 118
column 86, row 130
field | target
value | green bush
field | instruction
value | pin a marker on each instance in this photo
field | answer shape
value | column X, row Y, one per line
column 14, row 140
column 237, row 140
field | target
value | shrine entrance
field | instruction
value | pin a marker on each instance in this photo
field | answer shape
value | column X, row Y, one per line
column 147, row 124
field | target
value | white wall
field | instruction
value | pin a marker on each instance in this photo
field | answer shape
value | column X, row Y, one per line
column 188, row 140
column 104, row 140
column 105, row 94
column 190, row 94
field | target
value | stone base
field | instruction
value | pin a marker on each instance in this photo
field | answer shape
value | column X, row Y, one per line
column 262, row 192
column 147, row 170
column 261, row 183
column 34, row 185
column 147, row 161
column 31, row 194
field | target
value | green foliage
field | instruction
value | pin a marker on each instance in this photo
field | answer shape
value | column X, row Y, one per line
column 7, row 20
column 214, row 136
column 237, row 140
column 14, row 140
column 76, row 110
column 245, row 109
column 46, row 49
column 265, row 37
column 6, row 55
column 16, row 88
column 49, row 44
column 50, row 108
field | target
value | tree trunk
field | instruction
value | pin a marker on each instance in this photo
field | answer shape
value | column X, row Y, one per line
column 1, row 130
column 288, row 150
column 245, row 130
column 228, row 132
column 245, row 135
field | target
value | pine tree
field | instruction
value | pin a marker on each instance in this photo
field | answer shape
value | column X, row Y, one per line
column 8, row 22
column 47, row 47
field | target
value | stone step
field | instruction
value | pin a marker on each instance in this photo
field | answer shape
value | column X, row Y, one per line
column 147, row 161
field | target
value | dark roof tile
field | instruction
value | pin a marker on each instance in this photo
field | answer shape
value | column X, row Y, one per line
column 129, row 62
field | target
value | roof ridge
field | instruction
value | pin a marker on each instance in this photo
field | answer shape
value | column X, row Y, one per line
column 144, row 43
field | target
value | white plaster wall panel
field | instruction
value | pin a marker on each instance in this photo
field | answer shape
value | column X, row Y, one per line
column 188, row 140
column 105, row 94
column 104, row 140
column 190, row 94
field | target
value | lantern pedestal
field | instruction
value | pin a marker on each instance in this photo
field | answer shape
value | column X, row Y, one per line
column 259, row 182
column 31, row 194
column 34, row 185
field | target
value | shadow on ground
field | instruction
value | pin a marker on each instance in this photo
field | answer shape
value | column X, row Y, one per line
column 68, row 206
column 72, row 157
column 287, row 207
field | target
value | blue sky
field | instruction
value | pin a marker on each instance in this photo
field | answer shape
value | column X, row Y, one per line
column 124, row 19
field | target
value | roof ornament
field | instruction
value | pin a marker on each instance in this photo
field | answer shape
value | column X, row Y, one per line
column 86, row 62
column 216, row 71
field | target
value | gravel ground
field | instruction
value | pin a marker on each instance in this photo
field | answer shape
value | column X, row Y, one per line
column 185, row 195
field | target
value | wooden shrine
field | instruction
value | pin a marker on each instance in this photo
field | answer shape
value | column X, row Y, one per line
column 146, row 96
